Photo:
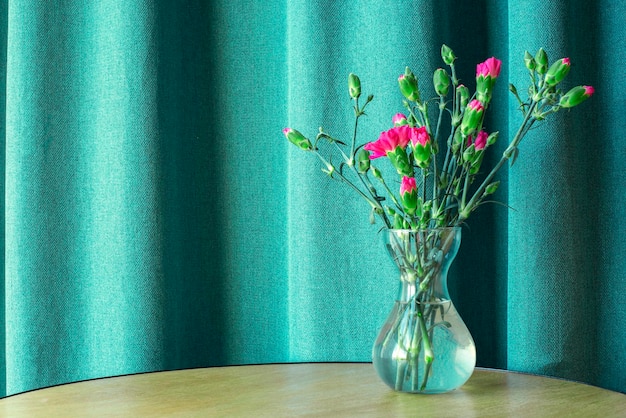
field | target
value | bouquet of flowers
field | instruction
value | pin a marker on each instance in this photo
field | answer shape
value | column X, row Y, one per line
column 437, row 187
column 441, row 183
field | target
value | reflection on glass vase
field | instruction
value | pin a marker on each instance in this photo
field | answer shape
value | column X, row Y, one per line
column 424, row 346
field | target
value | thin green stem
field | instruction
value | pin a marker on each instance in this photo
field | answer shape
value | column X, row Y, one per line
column 347, row 159
column 390, row 193
column 428, row 350
column 442, row 107
column 357, row 114
column 465, row 187
column 455, row 80
column 372, row 201
column 423, row 108
column 528, row 121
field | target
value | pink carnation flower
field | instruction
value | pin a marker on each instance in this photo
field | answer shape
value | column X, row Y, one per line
column 480, row 142
column 475, row 105
column 419, row 136
column 408, row 185
column 389, row 141
column 490, row 68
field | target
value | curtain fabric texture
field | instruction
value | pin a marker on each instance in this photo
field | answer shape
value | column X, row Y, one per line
column 155, row 217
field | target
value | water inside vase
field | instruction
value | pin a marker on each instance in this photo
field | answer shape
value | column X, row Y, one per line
column 401, row 364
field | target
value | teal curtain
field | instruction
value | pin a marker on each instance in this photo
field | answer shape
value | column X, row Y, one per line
column 155, row 218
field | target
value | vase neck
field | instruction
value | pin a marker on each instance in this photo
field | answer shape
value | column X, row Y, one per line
column 423, row 258
column 433, row 288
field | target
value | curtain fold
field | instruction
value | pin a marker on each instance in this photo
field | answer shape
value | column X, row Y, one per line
column 155, row 218
column 569, row 251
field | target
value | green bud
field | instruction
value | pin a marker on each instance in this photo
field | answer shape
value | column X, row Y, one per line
column 400, row 160
column 472, row 117
column 354, row 85
column 398, row 222
column 296, row 138
column 541, row 60
column 477, row 160
column 447, row 55
column 409, row 202
column 422, row 154
column 468, row 154
column 363, row 161
column 576, row 96
column 408, row 85
column 457, row 141
column 484, row 89
column 462, row 95
column 491, row 188
column 492, row 138
column 376, row 173
column 441, row 81
column 529, row 61
column 557, row 72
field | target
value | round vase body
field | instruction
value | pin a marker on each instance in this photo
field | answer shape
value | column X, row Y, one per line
column 424, row 346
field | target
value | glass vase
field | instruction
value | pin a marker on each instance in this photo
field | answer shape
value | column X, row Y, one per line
column 424, row 346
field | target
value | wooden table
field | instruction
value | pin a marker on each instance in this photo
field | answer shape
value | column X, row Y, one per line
column 322, row 390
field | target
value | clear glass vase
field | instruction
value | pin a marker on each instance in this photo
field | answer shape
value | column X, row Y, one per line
column 424, row 346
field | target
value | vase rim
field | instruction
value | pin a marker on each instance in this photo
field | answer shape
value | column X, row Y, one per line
column 439, row 228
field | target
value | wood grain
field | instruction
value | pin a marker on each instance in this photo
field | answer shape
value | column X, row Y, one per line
column 314, row 390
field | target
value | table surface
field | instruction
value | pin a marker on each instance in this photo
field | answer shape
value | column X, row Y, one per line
column 310, row 389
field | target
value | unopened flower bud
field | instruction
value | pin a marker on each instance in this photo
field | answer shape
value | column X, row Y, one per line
column 408, row 85
column 363, row 161
column 400, row 160
column 491, row 188
column 354, row 85
column 557, row 72
column 576, row 96
column 481, row 140
column 468, row 154
column 457, row 140
column 472, row 118
column 477, row 160
column 541, row 61
column 408, row 194
column 486, row 74
column 441, row 81
column 529, row 61
column 398, row 222
column 297, row 139
column 422, row 146
column 492, row 138
column 399, row 119
column 489, row 68
column 462, row 95
column 447, row 55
